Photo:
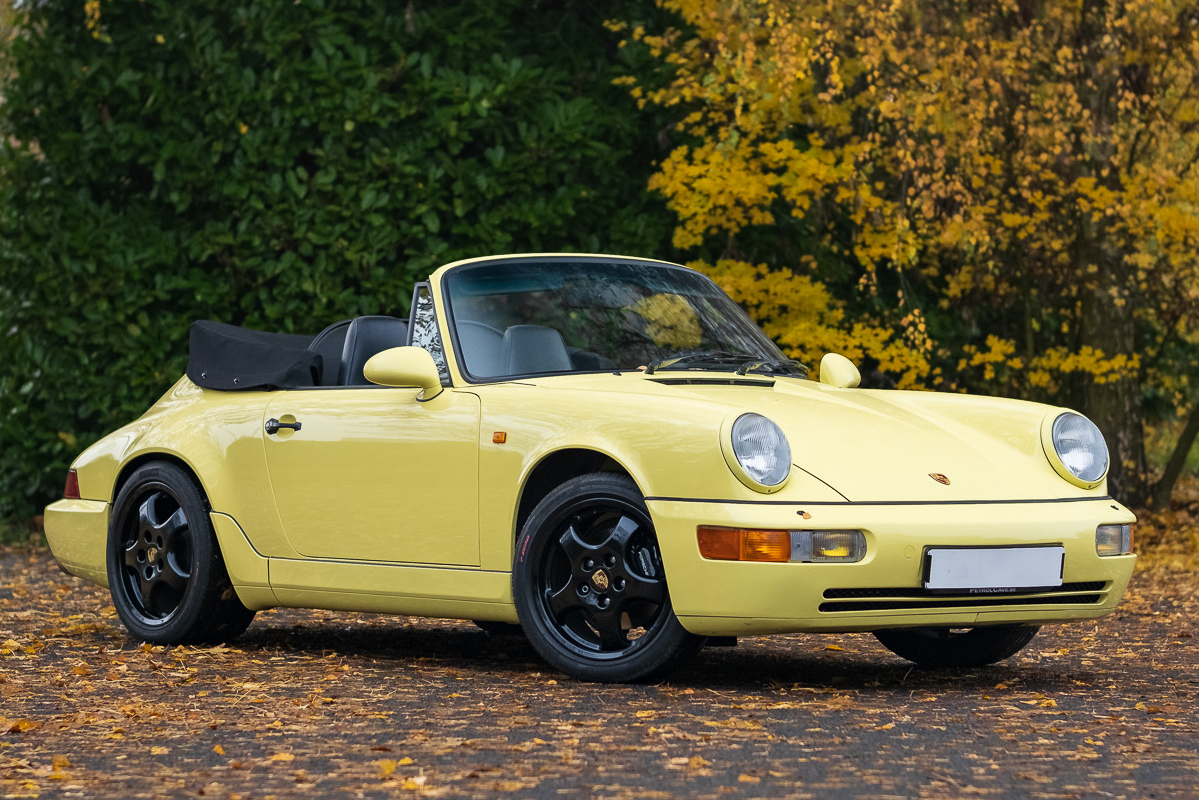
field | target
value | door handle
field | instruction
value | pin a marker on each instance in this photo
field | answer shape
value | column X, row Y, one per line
column 273, row 425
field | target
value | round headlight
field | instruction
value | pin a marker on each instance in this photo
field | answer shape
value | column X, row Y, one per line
column 761, row 449
column 1080, row 447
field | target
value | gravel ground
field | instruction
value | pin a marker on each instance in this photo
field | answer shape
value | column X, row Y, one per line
column 313, row 703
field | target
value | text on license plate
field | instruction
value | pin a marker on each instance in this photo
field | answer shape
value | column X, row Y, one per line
column 993, row 570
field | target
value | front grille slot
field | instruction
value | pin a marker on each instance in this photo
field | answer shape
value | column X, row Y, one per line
column 880, row 599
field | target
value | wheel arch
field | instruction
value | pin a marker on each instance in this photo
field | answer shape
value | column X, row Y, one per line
column 133, row 464
column 557, row 467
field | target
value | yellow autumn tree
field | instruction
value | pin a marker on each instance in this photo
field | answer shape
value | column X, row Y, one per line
column 1024, row 169
column 801, row 315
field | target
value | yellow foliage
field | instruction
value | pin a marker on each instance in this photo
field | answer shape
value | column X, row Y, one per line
column 91, row 18
column 802, row 317
column 670, row 321
column 1003, row 369
column 91, row 14
column 1087, row 360
column 1006, row 158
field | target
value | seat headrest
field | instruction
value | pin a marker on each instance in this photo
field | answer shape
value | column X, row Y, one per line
column 365, row 337
column 534, row 348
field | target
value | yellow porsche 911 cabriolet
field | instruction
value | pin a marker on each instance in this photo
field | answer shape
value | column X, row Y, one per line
column 605, row 451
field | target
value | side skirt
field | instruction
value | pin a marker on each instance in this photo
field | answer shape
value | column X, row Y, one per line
column 393, row 589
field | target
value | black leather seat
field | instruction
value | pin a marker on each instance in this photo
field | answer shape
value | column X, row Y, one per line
column 366, row 336
column 328, row 344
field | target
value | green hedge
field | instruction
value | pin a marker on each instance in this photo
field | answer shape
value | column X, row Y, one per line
column 281, row 165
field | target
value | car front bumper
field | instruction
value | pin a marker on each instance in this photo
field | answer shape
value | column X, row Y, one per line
column 884, row 590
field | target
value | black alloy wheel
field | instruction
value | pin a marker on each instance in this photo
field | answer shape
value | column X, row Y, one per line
column 157, row 547
column 950, row 647
column 590, row 586
column 168, row 581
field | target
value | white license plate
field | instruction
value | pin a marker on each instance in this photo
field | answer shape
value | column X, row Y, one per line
column 993, row 570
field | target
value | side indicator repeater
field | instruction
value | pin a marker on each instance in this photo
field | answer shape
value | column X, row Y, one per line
column 939, row 478
column 499, row 437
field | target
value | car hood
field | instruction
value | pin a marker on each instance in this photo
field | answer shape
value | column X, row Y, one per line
column 873, row 445
column 887, row 445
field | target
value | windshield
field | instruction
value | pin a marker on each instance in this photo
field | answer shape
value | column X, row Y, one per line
column 533, row 317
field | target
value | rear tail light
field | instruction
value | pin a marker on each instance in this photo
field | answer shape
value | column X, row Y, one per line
column 71, row 492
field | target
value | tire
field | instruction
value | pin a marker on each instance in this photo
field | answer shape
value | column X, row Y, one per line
column 945, row 647
column 168, row 581
column 493, row 628
column 590, row 587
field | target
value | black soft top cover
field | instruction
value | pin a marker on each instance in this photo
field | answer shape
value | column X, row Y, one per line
column 228, row 357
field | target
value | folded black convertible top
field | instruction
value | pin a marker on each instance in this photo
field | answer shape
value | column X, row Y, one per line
column 228, row 357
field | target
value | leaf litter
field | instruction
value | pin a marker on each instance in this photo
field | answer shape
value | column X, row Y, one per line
column 315, row 703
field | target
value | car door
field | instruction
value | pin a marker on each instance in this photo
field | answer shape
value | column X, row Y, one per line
column 371, row 474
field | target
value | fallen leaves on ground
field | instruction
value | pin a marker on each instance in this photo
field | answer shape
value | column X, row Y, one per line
column 320, row 703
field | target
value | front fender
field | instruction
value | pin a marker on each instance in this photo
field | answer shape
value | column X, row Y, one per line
column 673, row 452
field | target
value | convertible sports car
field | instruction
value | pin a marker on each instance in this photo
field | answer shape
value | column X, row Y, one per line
column 606, row 451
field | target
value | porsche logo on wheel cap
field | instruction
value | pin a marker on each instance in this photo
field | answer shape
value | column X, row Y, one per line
column 152, row 554
column 939, row 478
column 600, row 579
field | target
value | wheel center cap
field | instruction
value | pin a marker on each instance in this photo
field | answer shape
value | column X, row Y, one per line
column 601, row 581
column 152, row 555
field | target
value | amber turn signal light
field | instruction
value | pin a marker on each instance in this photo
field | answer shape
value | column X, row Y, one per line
column 737, row 544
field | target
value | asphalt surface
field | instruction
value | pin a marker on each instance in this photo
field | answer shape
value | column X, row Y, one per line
column 317, row 704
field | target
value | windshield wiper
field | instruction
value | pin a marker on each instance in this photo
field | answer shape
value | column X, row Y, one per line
column 718, row 358
column 723, row 358
column 774, row 367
